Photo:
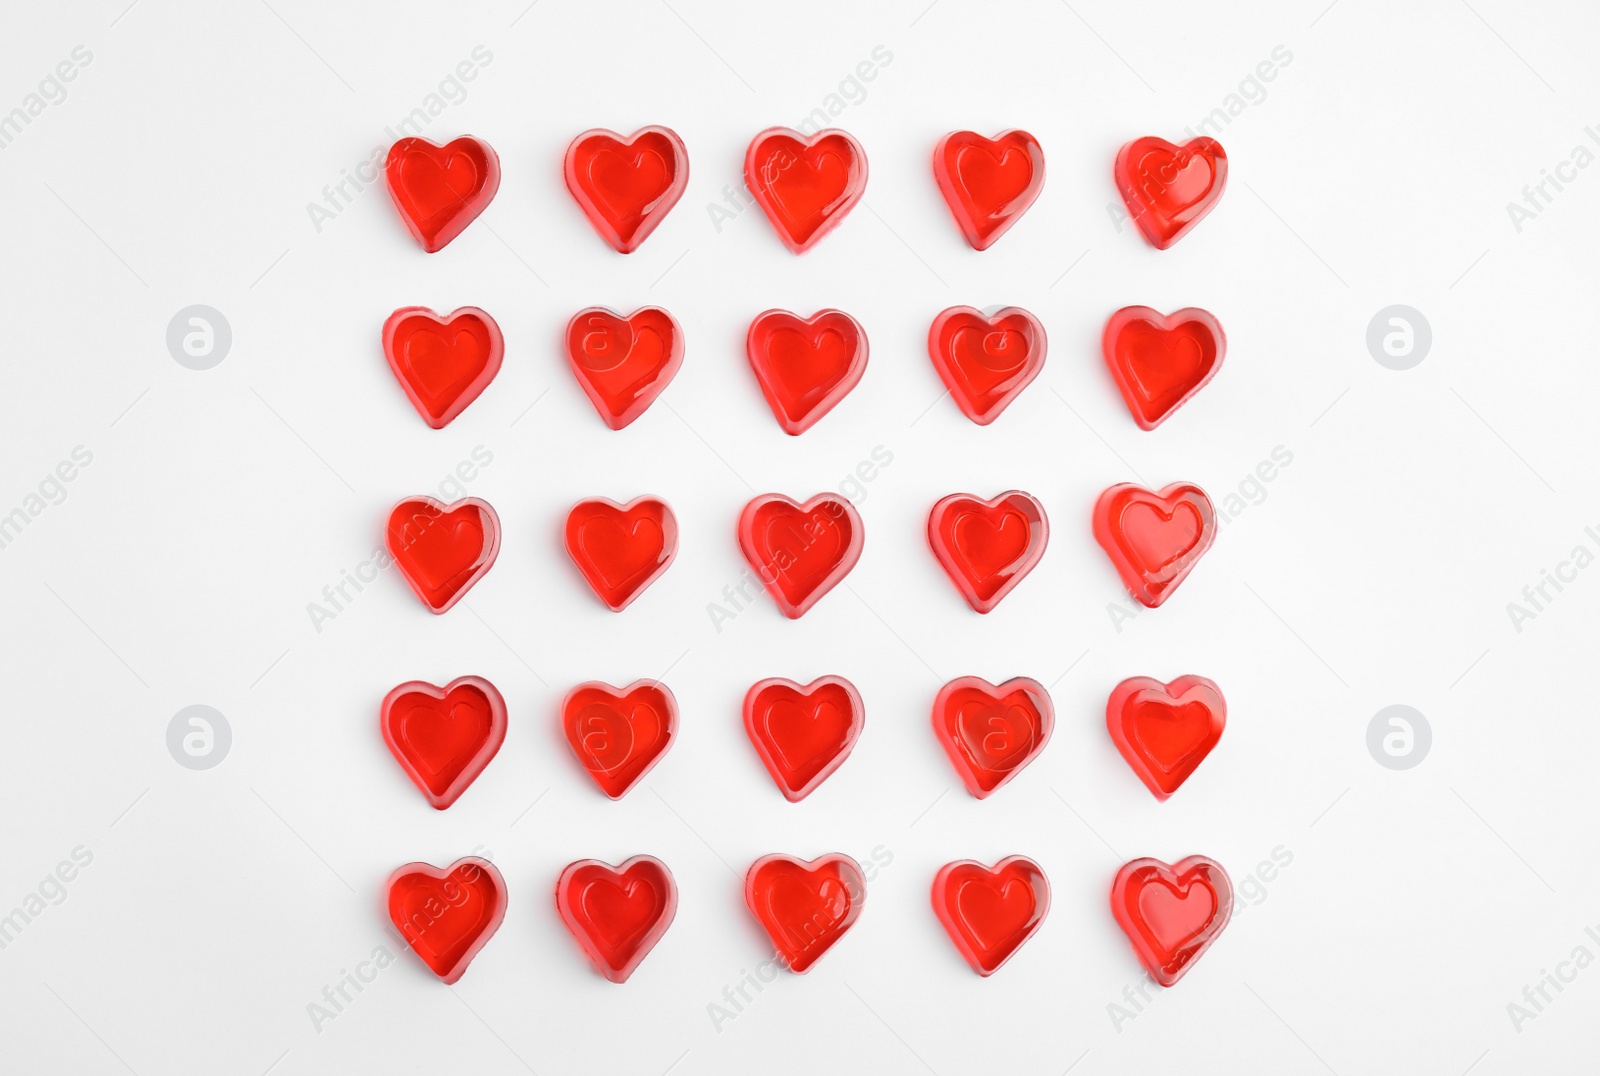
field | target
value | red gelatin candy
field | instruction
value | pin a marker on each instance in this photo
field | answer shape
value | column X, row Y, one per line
column 988, row 547
column 805, row 184
column 442, row 363
column 1165, row 730
column 442, row 550
column 444, row 737
column 1154, row 539
column 985, row 362
column 621, row 548
column 439, row 190
column 623, row 363
column 1168, row 189
column 1160, row 360
column 446, row 916
column 800, row 551
column 803, row 732
column 990, row 911
column 805, row 365
column 991, row 733
column 627, row 185
column 617, row 913
column 619, row 735
column 805, row 907
column 988, row 182
column 1171, row 914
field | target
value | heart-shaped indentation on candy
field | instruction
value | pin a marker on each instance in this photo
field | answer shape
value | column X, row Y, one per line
column 805, row 184
column 618, row 735
column 986, row 361
column 1168, row 188
column 1165, row 730
column 803, row 732
column 805, row 907
column 990, row 911
column 627, row 185
column 446, row 916
column 442, row 363
column 991, row 733
column 623, row 363
column 1171, row 914
column 1160, row 360
column 617, row 913
column 800, row 551
column 439, row 190
column 1154, row 539
column 442, row 550
column 621, row 548
column 988, row 182
column 444, row 737
column 988, row 547
column 805, row 365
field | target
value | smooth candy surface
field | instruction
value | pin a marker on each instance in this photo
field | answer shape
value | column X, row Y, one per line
column 989, row 732
column 1160, row 360
column 805, row 184
column 444, row 737
column 988, row 547
column 800, row 551
column 1154, row 539
column 805, row 907
column 805, row 366
column 446, row 916
column 989, row 912
column 803, row 732
column 619, row 735
column 621, row 548
column 617, row 914
column 1165, row 731
column 439, row 190
column 623, row 363
column 626, row 185
column 442, row 363
column 1171, row 914
column 988, row 182
column 1169, row 189
column 443, row 550
column 986, row 362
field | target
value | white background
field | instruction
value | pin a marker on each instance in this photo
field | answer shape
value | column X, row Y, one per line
column 1376, row 570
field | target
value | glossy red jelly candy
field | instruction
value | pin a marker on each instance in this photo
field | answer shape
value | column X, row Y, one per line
column 985, row 362
column 446, row 916
column 443, row 363
column 990, row 911
column 988, row 182
column 627, row 185
column 1160, row 360
column 991, row 733
column 805, row 907
column 621, row 548
column 1154, row 539
column 805, row 365
column 623, row 363
column 439, row 190
column 617, row 913
column 988, row 547
column 803, row 732
column 800, row 551
column 441, row 549
column 1168, row 188
column 1165, row 730
column 805, row 184
column 1171, row 914
column 619, row 735
column 444, row 737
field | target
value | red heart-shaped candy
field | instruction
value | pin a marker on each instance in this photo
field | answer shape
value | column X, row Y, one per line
column 1160, row 360
column 806, row 365
column 990, row 911
column 985, row 362
column 987, row 547
column 805, row 907
column 621, row 548
column 1154, row 539
column 446, row 916
column 444, row 737
column 988, row 182
column 800, row 551
column 1165, row 730
column 619, row 735
column 1171, row 914
column 990, row 733
column 1168, row 188
column 617, row 913
column 443, row 363
column 805, row 185
column 623, row 363
column 442, row 550
column 803, row 732
column 626, row 186
column 439, row 190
